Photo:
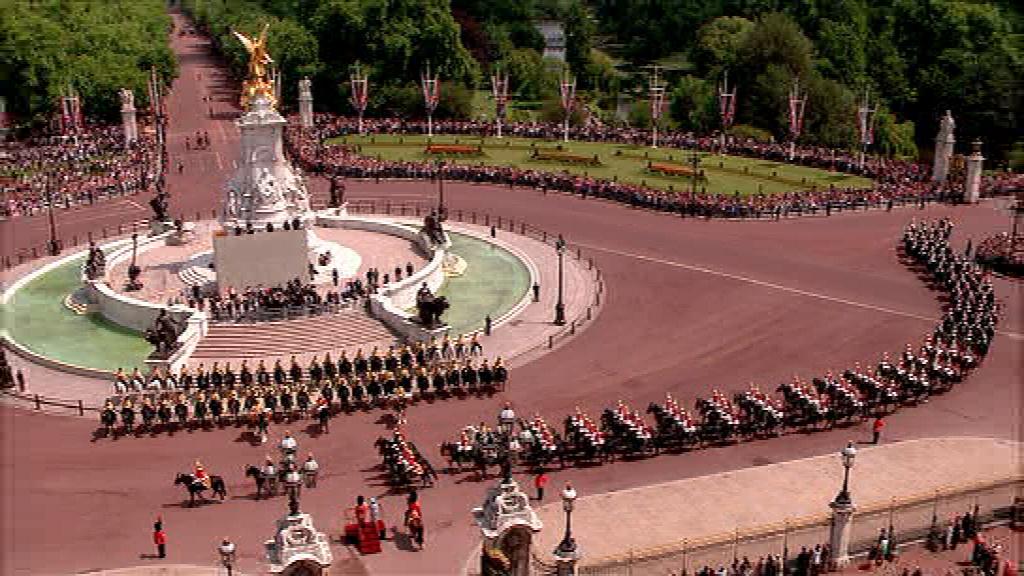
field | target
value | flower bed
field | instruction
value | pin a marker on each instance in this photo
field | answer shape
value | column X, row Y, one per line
column 453, row 150
column 669, row 169
column 564, row 157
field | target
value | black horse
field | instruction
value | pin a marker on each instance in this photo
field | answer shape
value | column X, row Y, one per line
column 196, row 487
column 256, row 474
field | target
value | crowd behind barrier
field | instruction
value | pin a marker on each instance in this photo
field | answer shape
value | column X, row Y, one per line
column 435, row 370
column 896, row 182
column 947, row 355
column 81, row 169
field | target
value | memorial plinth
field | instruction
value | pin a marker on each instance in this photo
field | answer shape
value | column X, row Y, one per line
column 298, row 547
column 508, row 523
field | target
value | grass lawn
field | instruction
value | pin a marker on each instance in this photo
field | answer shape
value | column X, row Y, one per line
column 37, row 318
column 725, row 174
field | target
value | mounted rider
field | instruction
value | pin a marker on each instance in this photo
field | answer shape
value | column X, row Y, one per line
column 200, row 474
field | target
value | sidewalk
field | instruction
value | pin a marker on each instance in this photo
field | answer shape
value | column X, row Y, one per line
column 613, row 526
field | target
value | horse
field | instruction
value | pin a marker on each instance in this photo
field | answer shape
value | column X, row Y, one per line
column 456, row 458
column 256, row 474
column 196, row 487
column 108, row 418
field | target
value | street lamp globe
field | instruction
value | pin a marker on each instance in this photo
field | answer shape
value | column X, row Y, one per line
column 568, row 497
column 227, row 554
column 849, row 454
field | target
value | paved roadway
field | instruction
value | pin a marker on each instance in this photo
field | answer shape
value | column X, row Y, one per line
column 691, row 305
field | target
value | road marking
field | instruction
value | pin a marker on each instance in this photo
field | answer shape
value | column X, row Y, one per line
column 781, row 288
column 136, row 204
column 219, row 165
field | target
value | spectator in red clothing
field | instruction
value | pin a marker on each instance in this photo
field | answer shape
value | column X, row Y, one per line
column 876, row 429
column 539, row 482
column 362, row 510
column 160, row 538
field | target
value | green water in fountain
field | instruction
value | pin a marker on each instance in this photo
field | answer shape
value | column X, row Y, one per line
column 494, row 282
column 37, row 318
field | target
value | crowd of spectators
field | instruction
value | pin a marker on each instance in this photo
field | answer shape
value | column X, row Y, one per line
column 256, row 303
column 896, row 182
column 80, row 169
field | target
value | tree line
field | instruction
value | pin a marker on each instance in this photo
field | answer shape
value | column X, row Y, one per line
column 48, row 47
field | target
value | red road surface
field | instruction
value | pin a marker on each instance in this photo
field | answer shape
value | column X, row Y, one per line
column 690, row 306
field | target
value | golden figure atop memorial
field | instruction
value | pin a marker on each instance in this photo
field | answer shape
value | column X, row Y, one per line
column 257, row 83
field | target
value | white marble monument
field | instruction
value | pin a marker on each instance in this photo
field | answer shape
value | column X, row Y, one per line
column 508, row 523
column 972, row 187
column 306, row 103
column 944, row 142
column 265, row 189
column 128, row 123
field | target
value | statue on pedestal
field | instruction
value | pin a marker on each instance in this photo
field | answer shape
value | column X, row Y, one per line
column 163, row 335
column 256, row 83
column 430, row 307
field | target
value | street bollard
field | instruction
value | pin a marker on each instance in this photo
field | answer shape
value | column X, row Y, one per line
column 104, row 232
column 545, row 236
column 90, row 237
column 460, row 214
column 579, row 253
column 35, row 252
column 590, row 263
column 572, row 327
column 81, row 408
column 474, row 217
column 499, row 222
column 551, row 342
column 487, row 219
column 588, row 313
column 120, row 229
column 38, row 405
column 522, row 228
column 597, row 299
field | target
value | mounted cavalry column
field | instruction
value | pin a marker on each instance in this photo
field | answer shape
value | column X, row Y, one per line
column 972, row 187
column 305, row 103
column 131, row 129
column 944, row 142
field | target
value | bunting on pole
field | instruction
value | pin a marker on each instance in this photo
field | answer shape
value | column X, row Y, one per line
column 431, row 90
column 866, row 120
column 726, row 102
column 797, row 102
column 499, row 89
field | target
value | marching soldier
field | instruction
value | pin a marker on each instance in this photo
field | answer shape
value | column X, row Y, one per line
column 316, row 372
column 330, row 368
column 344, row 366
column 295, row 372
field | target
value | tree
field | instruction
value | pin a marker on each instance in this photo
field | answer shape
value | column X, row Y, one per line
column 693, row 105
column 579, row 29
column 719, row 43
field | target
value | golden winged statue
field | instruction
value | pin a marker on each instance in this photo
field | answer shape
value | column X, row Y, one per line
column 256, row 83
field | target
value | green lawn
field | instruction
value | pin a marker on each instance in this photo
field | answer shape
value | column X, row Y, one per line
column 37, row 318
column 494, row 281
column 725, row 174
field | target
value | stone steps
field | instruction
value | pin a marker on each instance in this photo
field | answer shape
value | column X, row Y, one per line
column 196, row 276
column 349, row 330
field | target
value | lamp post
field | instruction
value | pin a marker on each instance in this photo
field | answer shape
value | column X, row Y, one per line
column 442, row 211
column 842, row 513
column 227, row 555
column 560, row 306
column 54, row 244
column 292, row 483
column 848, row 455
column 567, row 547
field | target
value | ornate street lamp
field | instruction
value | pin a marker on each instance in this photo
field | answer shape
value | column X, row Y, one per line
column 54, row 244
column 568, row 545
column 227, row 555
column 848, row 455
column 560, row 306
